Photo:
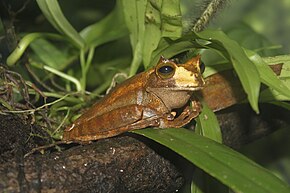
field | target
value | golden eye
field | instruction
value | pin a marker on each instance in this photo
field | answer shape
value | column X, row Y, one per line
column 166, row 70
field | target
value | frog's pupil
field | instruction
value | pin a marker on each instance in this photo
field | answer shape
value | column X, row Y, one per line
column 201, row 67
column 165, row 69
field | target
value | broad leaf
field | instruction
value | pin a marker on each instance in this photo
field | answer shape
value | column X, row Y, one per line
column 103, row 31
column 134, row 15
column 152, row 21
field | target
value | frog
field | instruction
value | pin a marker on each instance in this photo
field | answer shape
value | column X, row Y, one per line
column 161, row 97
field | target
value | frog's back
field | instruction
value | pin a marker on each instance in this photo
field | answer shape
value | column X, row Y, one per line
column 124, row 94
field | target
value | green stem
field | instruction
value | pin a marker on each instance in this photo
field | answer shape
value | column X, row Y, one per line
column 137, row 59
column 85, row 65
column 24, row 43
column 68, row 98
column 65, row 76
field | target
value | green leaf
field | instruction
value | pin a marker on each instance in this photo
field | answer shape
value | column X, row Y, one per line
column 267, row 75
column 148, row 22
column 53, row 13
column 203, row 183
column 51, row 55
column 171, row 19
column 284, row 59
column 208, row 125
column 103, row 31
column 198, row 182
column 228, row 166
column 169, row 48
column 163, row 19
column 285, row 105
column 271, row 94
column 25, row 42
column 153, row 33
column 134, row 14
column 246, row 70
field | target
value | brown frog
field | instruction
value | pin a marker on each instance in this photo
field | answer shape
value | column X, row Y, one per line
column 147, row 99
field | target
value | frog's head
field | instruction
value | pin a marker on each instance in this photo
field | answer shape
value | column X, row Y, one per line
column 174, row 76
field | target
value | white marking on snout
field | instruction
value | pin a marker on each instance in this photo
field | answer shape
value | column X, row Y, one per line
column 185, row 78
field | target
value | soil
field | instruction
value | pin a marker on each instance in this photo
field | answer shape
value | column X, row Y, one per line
column 16, row 137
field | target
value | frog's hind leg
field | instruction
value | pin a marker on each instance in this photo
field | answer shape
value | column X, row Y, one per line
column 103, row 126
column 142, row 123
column 110, row 124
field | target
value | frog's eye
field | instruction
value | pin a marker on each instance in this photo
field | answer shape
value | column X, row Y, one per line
column 201, row 67
column 166, row 70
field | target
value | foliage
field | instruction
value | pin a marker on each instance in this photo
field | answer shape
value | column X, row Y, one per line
column 141, row 31
column 230, row 167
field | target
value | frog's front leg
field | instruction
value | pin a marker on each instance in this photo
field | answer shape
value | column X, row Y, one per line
column 189, row 113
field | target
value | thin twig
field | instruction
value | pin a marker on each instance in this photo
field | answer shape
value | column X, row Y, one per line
column 207, row 14
column 35, row 77
column 59, row 87
column 41, row 107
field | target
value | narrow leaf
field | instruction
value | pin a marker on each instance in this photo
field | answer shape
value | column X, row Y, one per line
column 267, row 75
column 50, row 55
column 169, row 48
column 246, row 70
column 208, row 125
column 53, row 13
column 228, row 166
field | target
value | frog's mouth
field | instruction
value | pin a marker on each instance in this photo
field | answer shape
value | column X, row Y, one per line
column 189, row 88
column 186, row 88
